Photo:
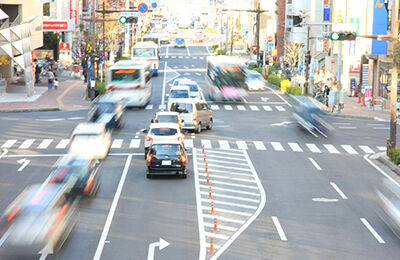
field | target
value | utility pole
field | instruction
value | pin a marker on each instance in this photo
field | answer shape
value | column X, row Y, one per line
column 307, row 62
column 104, row 30
column 93, row 39
column 391, row 143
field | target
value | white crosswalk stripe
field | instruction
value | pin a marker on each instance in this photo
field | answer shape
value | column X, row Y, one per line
column 241, row 145
column 349, row 149
column 228, row 107
column 117, row 143
column 45, row 143
column 331, row 148
column 149, row 106
column 277, row 146
column 214, row 107
column 295, row 147
column 201, row 58
column 206, row 144
column 259, row 145
column 254, row 108
column 135, row 143
column 241, row 108
column 9, row 143
column 62, row 144
column 366, row 149
column 26, row 144
column 173, row 57
column 381, row 148
column 180, row 57
column 223, row 144
column 280, row 108
column 188, row 143
column 267, row 108
column 313, row 148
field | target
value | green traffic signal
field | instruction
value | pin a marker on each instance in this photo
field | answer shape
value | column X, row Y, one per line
column 123, row 19
column 334, row 36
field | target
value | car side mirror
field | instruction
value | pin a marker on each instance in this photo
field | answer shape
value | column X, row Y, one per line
column 182, row 121
column 152, row 121
column 144, row 130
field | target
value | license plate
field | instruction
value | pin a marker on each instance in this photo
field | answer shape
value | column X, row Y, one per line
column 166, row 163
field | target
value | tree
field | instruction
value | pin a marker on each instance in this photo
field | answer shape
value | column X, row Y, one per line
column 294, row 51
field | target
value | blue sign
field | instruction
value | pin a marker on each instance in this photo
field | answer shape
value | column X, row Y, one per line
column 143, row 8
column 301, row 68
column 154, row 5
column 379, row 27
column 327, row 13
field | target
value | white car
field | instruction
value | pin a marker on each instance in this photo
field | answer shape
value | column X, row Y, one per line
column 163, row 132
column 90, row 140
column 195, row 90
column 178, row 93
column 255, row 81
column 168, row 117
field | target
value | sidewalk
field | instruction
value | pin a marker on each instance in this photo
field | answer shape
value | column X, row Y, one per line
column 70, row 95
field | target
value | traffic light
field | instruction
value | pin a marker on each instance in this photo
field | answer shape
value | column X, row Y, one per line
column 307, row 57
column 129, row 19
column 132, row 19
column 123, row 19
column 343, row 36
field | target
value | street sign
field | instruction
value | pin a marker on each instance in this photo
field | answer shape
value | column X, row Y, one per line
column 254, row 48
column 269, row 38
column 154, row 5
column 143, row 8
column 55, row 25
column 128, row 14
column 64, row 46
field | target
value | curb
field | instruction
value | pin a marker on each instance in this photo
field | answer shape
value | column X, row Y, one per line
column 384, row 159
column 31, row 110
column 353, row 116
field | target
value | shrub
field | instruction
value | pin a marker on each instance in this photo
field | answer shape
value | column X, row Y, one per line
column 215, row 46
column 394, row 155
column 275, row 80
column 221, row 52
column 285, row 84
column 295, row 90
column 271, row 70
column 100, row 88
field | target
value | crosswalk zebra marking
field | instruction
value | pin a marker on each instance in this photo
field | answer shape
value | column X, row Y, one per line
column 214, row 107
column 62, row 144
column 381, row 148
column 188, row 143
column 313, row 148
column 206, row 144
column 254, row 108
column 223, row 144
column 45, row 143
column 135, row 143
column 241, row 145
column 259, row 145
column 241, row 108
column 277, row 146
column 267, row 108
column 9, row 143
column 26, row 144
column 149, row 106
column 366, row 149
column 228, row 107
column 295, row 147
column 280, row 108
column 117, row 143
column 331, row 148
column 349, row 149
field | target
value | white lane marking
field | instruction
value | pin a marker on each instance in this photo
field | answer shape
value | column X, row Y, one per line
column 241, row 145
column 223, row 144
column 149, row 106
column 381, row 148
column 381, row 171
column 230, row 153
column 216, row 235
column 381, row 128
column 372, row 230
column 135, row 143
column 241, row 108
column 254, row 108
column 214, row 107
column 62, row 144
column 163, row 86
column 166, row 55
column 295, row 147
column 221, row 161
column 9, row 143
column 230, row 190
column 173, row 57
column 187, row 57
column 366, row 149
column 180, row 57
column 280, row 108
column 341, row 193
column 45, row 143
column 222, row 227
column 208, row 155
column 313, row 148
column 231, row 184
column 225, row 177
column 201, row 58
column 279, row 228
column 3, row 153
column 224, row 219
column 188, row 143
column 349, row 149
column 267, row 108
column 206, row 143
column 215, row 246
column 347, row 127
column 219, row 172
column 217, row 209
column 314, row 163
column 331, row 148
column 195, row 58
column 26, row 144
column 24, row 163
column 113, row 207
column 207, row 51
column 223, row 202
column 228, row 107
column 117, row 143
column 259, row 145
column 211, row 165
column 277, row 146
column 76, row 118
column 284, row 100
column 188, row 52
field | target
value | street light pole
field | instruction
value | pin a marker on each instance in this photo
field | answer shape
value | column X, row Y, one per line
column 93, row 39
column 307, row 69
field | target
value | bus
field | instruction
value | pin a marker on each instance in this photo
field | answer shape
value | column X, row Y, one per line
column 146, row 51
column 131, row 81
column 225, row 78
column 153, row 38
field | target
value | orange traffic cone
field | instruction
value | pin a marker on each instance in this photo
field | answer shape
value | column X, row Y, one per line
column 203, row 149
column 363, row 102
column 206, row 168
column 208, row 179
column 215, row 225
column 212, row 208
column 211, row 250
column 359, row 98
column 209, row 194
column 374, row 102
column 205, row 160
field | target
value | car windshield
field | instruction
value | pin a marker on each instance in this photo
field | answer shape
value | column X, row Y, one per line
column 61, row 174
column 182, row 108
column 167, row 119
column 125, row 75
column 254, row 76
column 169, row 149
column 193, row 87
column 163, row 131
column 179, row 40
column 179, row 93
column 105, row 107
column 144, row 52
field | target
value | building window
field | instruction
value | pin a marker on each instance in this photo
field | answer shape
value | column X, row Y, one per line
column 46, row 9
column 289, row 2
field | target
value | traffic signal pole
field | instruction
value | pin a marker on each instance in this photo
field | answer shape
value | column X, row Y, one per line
column 92, row 62
column 306, row 84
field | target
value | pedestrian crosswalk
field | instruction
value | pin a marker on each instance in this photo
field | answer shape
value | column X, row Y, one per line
column 182, row 57
column 137, row 143
column 252, row 108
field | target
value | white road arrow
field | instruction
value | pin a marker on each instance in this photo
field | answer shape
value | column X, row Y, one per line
column 5, row 151
column 162, row 244
column 264, row 99
column 24, row 163
column 284, row 123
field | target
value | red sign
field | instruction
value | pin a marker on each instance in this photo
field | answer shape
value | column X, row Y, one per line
column 64, row 46
column 55, row 25
column 143, row 8
column 355, row 68
column 269, row 38
column 254, row 48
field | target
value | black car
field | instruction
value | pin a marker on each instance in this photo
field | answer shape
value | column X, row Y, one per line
column 108, row 110
column 166, row 157
column 81, row 175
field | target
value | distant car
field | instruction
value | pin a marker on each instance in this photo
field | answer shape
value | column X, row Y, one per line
column 80, row 174
column 197, row 114
column 198, row 37
column 164, row 38
column 195, row 90
column 168, row 117
column 108, row 109
column 178, row 93
column 90, row 140
column 166, row 156
column 255, row 80
column 180, row 42
column 42, row 216
column 163, row 131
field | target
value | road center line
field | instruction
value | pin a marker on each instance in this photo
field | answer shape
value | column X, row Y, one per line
column 372, row 230
column 279, row 228
column 339, row 191
column 314, row 163
column 187, row 49
column 166, row 55
column 114, row 204
column 381, row 171
column 163, row 88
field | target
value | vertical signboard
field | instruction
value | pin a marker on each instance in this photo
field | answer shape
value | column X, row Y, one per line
column 327, row 11
column 379, row 27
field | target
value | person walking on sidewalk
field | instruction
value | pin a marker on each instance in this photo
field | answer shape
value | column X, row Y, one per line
column 50, row 79
column 56, row 83
column 326, row 95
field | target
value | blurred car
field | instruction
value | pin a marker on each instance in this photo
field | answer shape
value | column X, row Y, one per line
column 81, row 174
column 255, row 80
column 389, row 204
column 168, row 117
column 90, row 140
column 177, row 81
column 166, row 156
column 195, row 90
column 196, row 113
column 163, row 131
column 164, row 38
column 40, row 218
column 198, row 37
column 178, row 93
column 180, row 42
column 108, row 109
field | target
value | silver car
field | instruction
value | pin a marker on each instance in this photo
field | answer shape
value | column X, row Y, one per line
column 196, row 114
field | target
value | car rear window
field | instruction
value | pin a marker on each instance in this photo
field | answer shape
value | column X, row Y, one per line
column 193, row 87
column 163, row 131
column 183, row 108
column 179, row 93
column 167, row 119
column 168, row 149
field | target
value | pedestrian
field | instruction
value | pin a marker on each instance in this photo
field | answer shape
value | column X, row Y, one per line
column 326, row 95
column 56, row 83
column 38, row 70
column 50, row 79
